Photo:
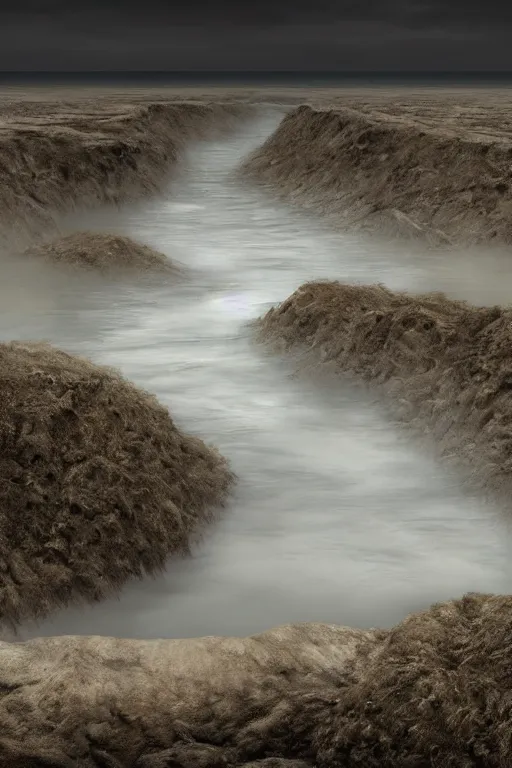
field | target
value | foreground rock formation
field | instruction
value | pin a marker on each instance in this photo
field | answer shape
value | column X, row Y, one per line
column 103, row 252
column 444, row 364
column 434, row 690
column 97, row 484
column 55, row 156
column 447, row 181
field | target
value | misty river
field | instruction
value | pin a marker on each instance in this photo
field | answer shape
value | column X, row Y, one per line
column 337, row 515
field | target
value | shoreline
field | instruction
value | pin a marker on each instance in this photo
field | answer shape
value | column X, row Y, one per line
column 401, row 175
column 84, row 154
column 297, row 696
column 440, row 365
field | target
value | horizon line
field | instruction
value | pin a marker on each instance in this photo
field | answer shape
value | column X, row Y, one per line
column 210, row 72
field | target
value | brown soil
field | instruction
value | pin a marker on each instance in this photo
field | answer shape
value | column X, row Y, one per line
column 445, row 364
column 97, row 484
column 448, row 104
column 445, row 175
column 434, row 690
column 54, row 157
column 104, row 252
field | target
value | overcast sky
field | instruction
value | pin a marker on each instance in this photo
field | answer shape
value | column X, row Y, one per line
column 345, row 35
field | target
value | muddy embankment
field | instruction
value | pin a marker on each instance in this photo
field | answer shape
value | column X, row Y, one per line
column 56, row 157
column 97, row 484
column 395, row 174
column 434, row 690
column 444, row 365
column 104, row 253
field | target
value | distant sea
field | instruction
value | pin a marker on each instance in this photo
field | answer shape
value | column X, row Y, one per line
column 289, row 79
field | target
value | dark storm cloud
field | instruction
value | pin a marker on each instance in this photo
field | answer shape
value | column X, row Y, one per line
column 304, row 34
column 269, row 12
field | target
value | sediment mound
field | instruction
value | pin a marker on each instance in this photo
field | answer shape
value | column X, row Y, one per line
column 434, row 690
column 97, row 484
column 444, row 183
column 54, row 157
column 104, row 252
column 445, row 364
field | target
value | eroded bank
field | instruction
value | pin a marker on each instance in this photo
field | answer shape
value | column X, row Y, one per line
column 408, row 175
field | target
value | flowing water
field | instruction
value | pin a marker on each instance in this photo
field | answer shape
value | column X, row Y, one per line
column 337, row 516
